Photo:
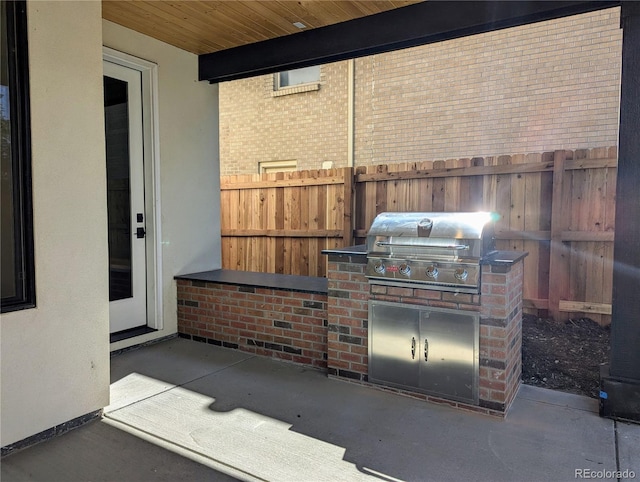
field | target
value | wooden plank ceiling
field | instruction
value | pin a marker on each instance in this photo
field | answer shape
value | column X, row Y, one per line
column 203, row 27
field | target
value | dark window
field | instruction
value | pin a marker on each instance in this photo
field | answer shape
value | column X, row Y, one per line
column 16, row 243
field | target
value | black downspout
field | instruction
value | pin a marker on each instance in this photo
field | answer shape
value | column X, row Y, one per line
column 620, row 380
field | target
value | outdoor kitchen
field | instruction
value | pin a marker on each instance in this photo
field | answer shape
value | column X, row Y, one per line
column 428, row 308
column 336, row 309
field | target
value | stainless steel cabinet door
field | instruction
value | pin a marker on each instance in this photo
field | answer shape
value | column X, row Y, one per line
column 394, row 344
column 448, row 354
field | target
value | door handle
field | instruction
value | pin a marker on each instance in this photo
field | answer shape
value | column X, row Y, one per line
column 413, row 348
column 140, row 233
column 426, row 349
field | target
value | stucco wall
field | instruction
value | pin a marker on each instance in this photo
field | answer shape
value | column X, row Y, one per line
column 545, row 86
column 55, row 358
column 189, row 165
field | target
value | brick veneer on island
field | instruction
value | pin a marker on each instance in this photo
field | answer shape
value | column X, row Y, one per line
column 281, row 316
column 324, row 322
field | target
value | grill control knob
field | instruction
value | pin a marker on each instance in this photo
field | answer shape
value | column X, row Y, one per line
column 461, row 274
column 405, row 269
column 379, row 267
column 432, row 272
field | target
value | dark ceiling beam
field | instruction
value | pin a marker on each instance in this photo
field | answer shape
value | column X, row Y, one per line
column 410, row 26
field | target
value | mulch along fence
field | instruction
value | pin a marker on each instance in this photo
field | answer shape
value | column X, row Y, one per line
column 559, row 206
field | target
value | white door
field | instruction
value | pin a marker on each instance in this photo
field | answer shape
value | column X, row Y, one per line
column 125, row 197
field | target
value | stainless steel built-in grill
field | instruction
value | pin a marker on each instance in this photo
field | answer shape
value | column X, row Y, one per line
column 416, row 346
column 436, row 250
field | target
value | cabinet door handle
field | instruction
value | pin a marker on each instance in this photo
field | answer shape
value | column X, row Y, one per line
column 413, row 348
column 426, row 349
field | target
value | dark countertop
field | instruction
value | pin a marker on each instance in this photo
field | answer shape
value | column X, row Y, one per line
column 504, row 258
column 360, row 249
column 496, row 258
column 312, row 284
column 304, row 284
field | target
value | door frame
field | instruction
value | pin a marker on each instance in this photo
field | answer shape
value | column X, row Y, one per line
column 151, row 158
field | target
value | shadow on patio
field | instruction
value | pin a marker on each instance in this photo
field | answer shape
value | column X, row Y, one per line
column 199, row 412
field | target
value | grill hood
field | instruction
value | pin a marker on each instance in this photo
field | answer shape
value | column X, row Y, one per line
column 434, row 250
column 452, row 235
column 432, row 225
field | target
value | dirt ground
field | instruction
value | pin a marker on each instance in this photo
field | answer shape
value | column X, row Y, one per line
column 564, row 356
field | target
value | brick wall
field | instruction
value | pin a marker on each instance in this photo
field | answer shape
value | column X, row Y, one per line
column 310, row 127
column 500, row 335
column 541, row 87
column 289, row 325
column 348, row 315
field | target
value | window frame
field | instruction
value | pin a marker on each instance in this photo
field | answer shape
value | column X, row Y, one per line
column 20, row 124
column 270, row 167
column 278, row 84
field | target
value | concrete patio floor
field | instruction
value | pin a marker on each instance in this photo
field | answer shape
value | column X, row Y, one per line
column 182, row 410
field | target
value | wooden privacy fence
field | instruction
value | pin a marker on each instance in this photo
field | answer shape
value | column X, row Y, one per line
column 280, row 223
column 558, row 206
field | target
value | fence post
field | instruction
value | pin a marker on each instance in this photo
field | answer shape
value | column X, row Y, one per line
column 347, row 195
column 559, row 256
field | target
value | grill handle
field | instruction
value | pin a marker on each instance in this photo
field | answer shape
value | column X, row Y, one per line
column 422, row 246
column 426, row 349
column 413, row 348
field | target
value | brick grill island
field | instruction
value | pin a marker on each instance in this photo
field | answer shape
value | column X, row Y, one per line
column 324, row 323
column 500, row 334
